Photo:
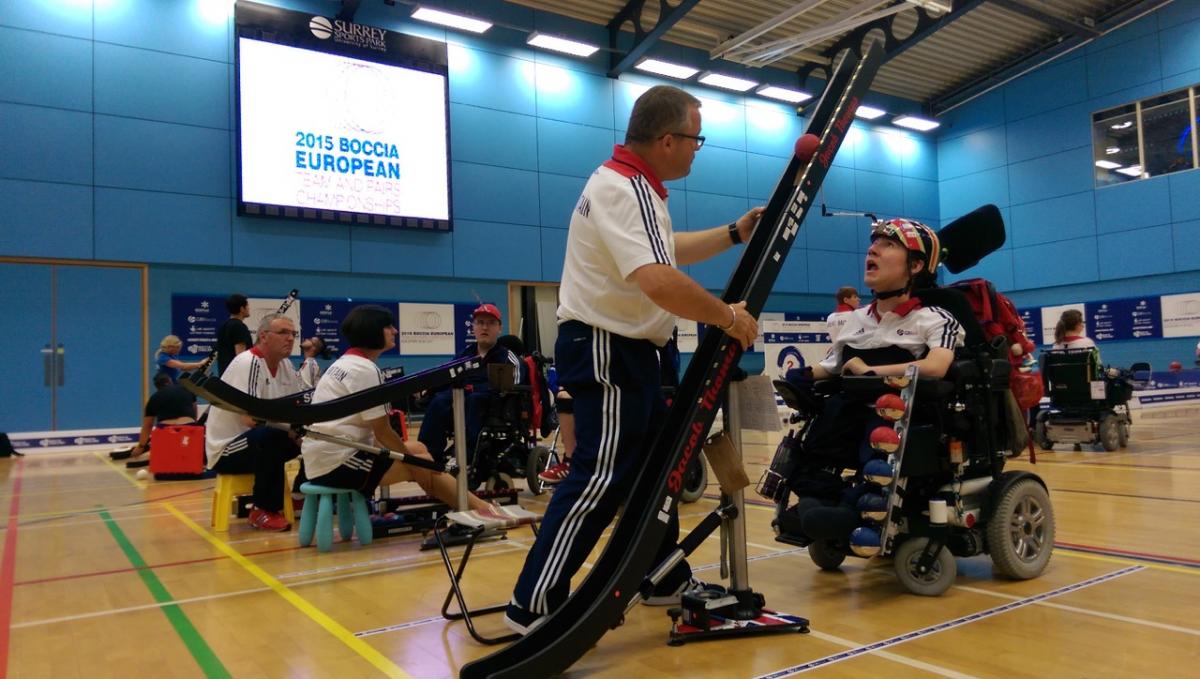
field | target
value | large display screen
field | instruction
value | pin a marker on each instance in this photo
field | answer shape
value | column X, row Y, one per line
column 327, row 135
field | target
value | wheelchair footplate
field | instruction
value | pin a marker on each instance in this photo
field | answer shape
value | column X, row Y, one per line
column 716, row 613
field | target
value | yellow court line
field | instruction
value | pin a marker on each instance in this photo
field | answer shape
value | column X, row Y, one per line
column 368, row 652
column 1120, row 560
column 140, row 485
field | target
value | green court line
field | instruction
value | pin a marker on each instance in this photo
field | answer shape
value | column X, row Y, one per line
column 204, row 656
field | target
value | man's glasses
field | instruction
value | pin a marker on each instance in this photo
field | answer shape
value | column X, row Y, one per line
column 286, row 333
column 699, row 138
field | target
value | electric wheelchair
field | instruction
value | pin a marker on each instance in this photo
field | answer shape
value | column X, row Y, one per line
column 1087, row 405
column 949, row 495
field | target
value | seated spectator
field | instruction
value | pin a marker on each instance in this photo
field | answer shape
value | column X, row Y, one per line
column 236, row 444
column 847, row 302
column 439, row 416
column 370, row 331
column 167, row 359
column 310, row 370
column 169, row 404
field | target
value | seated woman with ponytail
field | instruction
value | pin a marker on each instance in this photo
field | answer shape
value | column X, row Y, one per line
column 1069, row 336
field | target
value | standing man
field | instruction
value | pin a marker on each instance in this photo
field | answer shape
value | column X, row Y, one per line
column 236, row 444
column 847, row 302
column 439, row 415
column 233, row 337
column 621, row 294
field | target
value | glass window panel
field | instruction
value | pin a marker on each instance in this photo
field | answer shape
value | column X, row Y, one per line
column 1115, row 145
column 1167, row 134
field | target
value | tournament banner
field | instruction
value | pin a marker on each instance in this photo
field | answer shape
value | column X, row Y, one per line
column 323, row 318
column 1181, row 315
column 1123, row 319
column 792, row 340
column 427, row 329
column 1032, row 318
column 689, row 336
column 195, row 319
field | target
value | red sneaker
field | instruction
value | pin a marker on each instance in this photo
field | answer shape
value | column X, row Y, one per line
column 556, row 474
column 270, row 521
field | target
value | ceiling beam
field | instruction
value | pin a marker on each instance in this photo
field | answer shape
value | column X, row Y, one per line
column 1111, row 21
column 1039, row 15
column 643, row 40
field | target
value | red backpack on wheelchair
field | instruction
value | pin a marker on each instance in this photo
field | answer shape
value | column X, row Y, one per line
column 999, row 318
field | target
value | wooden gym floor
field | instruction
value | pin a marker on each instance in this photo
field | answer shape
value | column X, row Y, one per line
column 103, row 575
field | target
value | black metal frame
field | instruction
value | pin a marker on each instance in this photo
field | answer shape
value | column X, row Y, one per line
column 643, row 40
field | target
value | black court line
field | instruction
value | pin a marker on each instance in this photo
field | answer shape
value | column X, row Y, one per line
column 1139, row 497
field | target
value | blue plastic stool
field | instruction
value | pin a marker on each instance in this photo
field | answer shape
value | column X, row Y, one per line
column 318, row 515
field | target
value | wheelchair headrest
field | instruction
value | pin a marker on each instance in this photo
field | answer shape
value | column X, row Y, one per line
column 512, row 343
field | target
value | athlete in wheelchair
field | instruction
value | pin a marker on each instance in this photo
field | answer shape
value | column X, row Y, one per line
column 917, row 475
column 1088, row 404
column 516, row 415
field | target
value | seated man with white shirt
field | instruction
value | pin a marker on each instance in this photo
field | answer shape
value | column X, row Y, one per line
column 237, row 444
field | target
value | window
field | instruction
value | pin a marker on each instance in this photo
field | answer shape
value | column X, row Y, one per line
column 1148, row 138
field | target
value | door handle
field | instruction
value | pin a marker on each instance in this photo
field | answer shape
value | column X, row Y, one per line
column 47, row 365
column 60, row 364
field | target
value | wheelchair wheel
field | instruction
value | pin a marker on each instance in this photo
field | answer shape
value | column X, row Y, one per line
column 1039, row 434
column 1020, row 532
column 932, row 583
column 695, row 481
column 541, row 458
column 1110, row 432
column 826, row 555
column 1123, row 430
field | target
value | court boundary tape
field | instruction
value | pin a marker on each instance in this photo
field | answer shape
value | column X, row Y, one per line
column 201, row 652
column 362, row 648
column 8, row 566
column 949, row 624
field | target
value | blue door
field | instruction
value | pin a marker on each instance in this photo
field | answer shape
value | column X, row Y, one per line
column 98, row 329
column 25, row 313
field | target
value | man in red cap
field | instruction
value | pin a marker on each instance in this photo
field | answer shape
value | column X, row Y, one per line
column 439, row 415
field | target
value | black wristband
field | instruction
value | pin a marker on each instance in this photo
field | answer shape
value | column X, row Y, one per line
column 734, row 234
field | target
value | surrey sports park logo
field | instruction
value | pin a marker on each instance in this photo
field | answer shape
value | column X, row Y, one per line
column 347, row 33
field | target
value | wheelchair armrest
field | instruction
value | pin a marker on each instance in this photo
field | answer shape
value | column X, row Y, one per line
column 870, row 386
column 797, row 399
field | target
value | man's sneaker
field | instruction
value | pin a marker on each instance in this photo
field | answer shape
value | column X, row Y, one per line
column 270, row 521
column 520, row 620
column 555, row 475
column 671, row 598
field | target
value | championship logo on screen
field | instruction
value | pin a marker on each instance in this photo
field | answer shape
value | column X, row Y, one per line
column 347, row 33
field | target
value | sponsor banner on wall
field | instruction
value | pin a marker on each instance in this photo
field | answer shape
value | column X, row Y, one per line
column 195, row 319
column 792, row 340
column 426, row 329
column 1181, row 315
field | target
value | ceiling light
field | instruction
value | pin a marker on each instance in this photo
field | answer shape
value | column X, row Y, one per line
column 1107, row 164
column 869, row 112
column 458, row 21
column 1112, row 150
column 915, row 123
column 783, row 94
column 666, row 68
column 1132, row 170
column 1122, row 126
column 550, row 42
column 726, row 82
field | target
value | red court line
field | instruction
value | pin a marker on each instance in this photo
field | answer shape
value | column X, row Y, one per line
column 1113, row 551
column 8, row 567
column 169, row 564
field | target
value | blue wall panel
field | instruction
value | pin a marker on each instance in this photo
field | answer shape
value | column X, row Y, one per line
column 921, row 200
column 483, row 79
column 198, row 29
column 975, row 115
column 148, row 226
column 1045, row 133
column 287, row 244
column 1185, row 239
column 505, row 251
column 718, row 170
column 1133, row 205
column 1050, row 176
column 376, row 249
column 43, row 219
column 1132, row 63
column 46, row 70
column 762, row 174
column 494, row 194
column 558, row 196
column 772, row 130
column 1061, row 218
column 1180, row 47
column 960, row 195
column 880, row 193
column 1056, row 85
column 980, row 150
column 571, row 96
column 793, row 277
column 839, row 234
column 140, row 83
column 1143, row 252
column 475, row 137
column 828, row 271
column 838, row 189
column 677, row 207
column 1177, row 13
column 880, row 151
column 45, row 144
column 141, row 154
column 920, row 161
column 1185, row 195
column 570, row 148
column 1058, row 263
column 1143, row 27
column 60, row 18
column 706, row 210
column 723, row 123
column 554, row 251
